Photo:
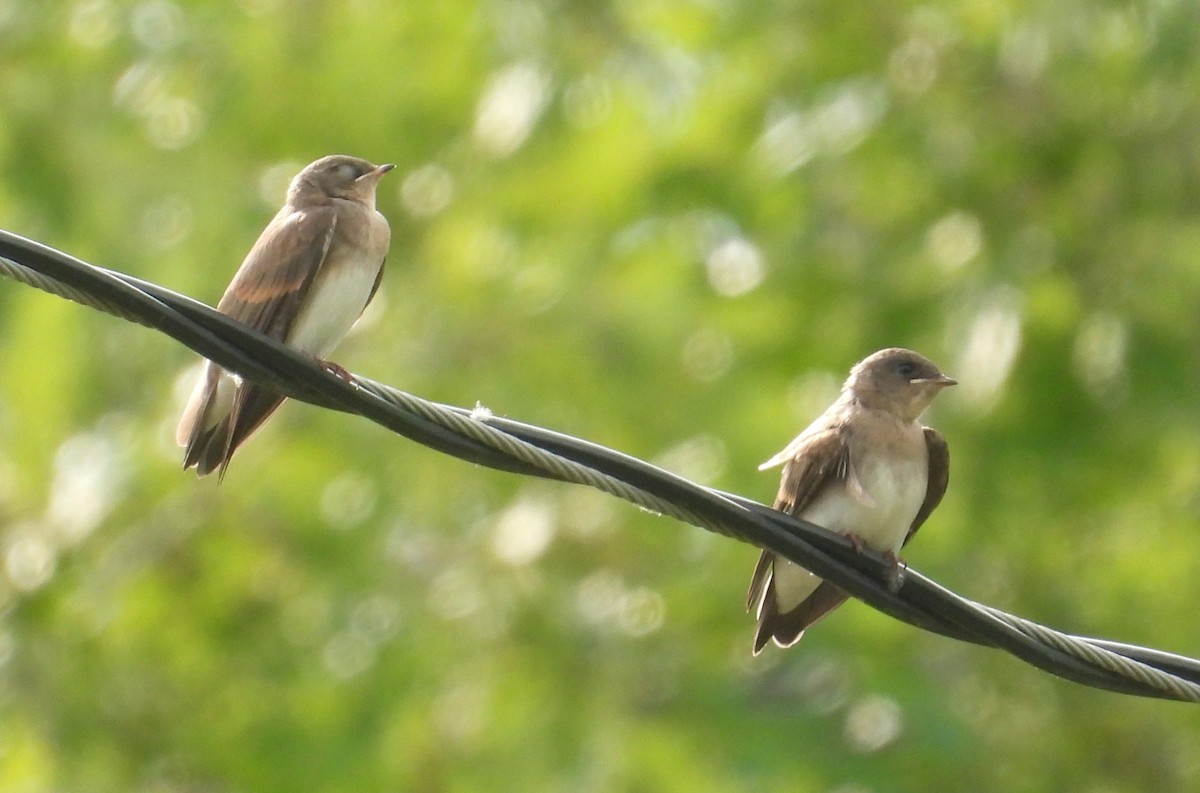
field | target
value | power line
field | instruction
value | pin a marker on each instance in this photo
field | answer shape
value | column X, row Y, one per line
column 503, row 444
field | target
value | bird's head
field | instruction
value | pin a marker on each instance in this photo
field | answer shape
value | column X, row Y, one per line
column 897, row 380
column 337, row 176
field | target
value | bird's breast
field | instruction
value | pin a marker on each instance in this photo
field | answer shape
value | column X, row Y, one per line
column 892, row 490
column 341, row 289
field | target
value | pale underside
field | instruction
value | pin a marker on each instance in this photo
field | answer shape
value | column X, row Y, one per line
column 879, row 510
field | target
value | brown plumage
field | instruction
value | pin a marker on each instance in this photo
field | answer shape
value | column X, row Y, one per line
column 309, row 276
column 865, row 468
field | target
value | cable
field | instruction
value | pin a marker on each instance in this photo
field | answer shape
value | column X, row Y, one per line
column 479, row 437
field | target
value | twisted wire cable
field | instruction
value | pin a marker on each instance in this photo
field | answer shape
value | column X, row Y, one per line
column 478, row 436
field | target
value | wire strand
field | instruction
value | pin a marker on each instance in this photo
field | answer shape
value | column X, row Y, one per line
column 479, row 437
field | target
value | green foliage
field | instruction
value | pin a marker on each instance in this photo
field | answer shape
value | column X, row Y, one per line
column 669, row 227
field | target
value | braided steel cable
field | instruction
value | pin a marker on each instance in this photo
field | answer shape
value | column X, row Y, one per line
column 479, row 437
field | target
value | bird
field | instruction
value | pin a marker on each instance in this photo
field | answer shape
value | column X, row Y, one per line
column 865, row 468
column 304, row 283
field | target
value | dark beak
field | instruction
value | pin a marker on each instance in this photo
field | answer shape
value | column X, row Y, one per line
column 376, row 173
column 941, row 381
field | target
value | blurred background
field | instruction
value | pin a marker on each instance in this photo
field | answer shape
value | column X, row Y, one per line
column 667, row 226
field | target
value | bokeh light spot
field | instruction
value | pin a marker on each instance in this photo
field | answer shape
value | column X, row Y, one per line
column 955, row 240
column 587, row 101
column 166, row 223
column 347, row 655
column 157, row 25
column 523, row 531
column 1101, row 347
column 427, row 190
column 93, row 23
column 990, row 348
column 642, row 612
column 173, row 123
column 89, row 476
column 274, row 180
column 29, row 558
column 913, row 66
column 511, row 104
column 348, row 500
column 701, row 458
column 455, row 593
column 707, row 355
column 872, row 723
column 735, row 267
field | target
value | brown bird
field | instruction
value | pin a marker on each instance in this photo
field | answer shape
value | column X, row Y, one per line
column 866, row 468
column 313, row 270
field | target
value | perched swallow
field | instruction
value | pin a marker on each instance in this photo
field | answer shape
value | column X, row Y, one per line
column 866, row 468
column 305, row 282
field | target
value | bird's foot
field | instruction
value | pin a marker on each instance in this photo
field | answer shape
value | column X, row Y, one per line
column 895, row 572
column 855, row 540
column 336, row 369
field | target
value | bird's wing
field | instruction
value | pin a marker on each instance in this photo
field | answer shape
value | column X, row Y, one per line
column 378, row 281
column 939, row 478
column 819, row 457
column 270, row 286
column 265, row 294
column 787, row 628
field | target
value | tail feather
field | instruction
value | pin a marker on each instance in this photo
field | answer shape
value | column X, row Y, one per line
column 215, row 424
column 785, row 628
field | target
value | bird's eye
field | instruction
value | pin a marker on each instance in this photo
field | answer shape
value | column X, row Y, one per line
column 347, row 171
column 907, row 370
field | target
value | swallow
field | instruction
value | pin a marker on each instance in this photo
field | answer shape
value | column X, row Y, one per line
column 865, row 468
column 305, row 282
